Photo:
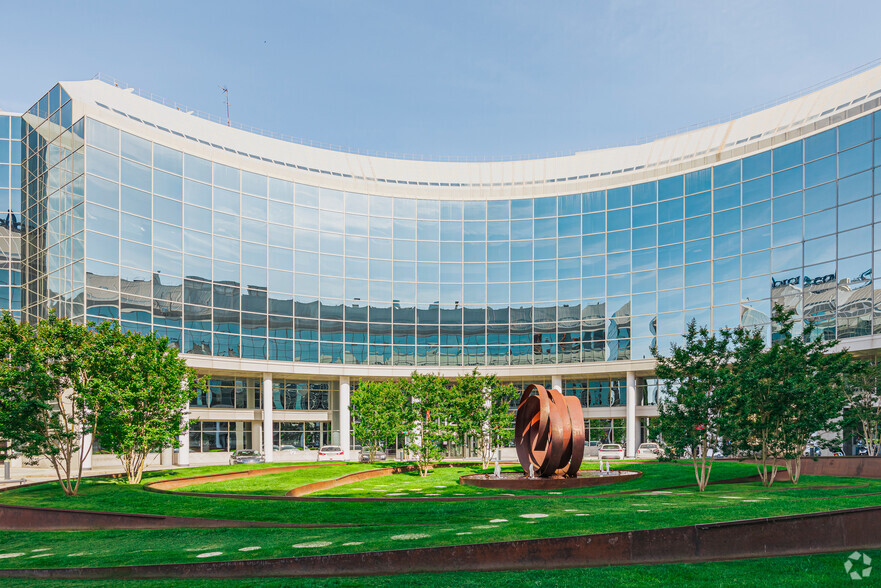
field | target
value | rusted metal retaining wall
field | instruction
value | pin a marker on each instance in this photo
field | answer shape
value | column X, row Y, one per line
column 26, row 518
column 789, row 535
column 205, row 478
column 348, row 479
column 849, row 467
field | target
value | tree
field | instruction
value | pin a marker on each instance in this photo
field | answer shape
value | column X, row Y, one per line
column 483, row 412
column 47, row 405
column 378, row 413
column 695, row 378
column 431, row 413
column 863, row 396
column 142, row 395
column 782, row 395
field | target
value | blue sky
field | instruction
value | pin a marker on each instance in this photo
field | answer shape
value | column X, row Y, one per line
column 474, row 79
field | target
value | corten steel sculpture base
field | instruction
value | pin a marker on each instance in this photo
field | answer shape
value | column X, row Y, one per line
column 549, row 432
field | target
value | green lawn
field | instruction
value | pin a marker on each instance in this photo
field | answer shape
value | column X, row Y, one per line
column 394, row 525
column 279, row 484
column 798, row 571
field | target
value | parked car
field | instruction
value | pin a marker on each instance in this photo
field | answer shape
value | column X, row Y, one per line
column 591, row 448
column 246, row 456
column 649, row 451
column 331, row 453
column 378, row 455
column 610, row 451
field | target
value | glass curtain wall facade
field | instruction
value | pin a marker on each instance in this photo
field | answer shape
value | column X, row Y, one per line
column 234, row 264
column 248, row 258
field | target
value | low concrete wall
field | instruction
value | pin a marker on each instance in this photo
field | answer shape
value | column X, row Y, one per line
column 789, row 535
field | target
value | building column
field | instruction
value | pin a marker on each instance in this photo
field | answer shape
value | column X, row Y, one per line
column 557, row 382
column 183, row 453
column 631, row 415
column 86, row 450
column 267, row 417
column 345, row 418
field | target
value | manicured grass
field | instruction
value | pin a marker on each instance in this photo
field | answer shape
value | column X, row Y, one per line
column 796, row 571
column 278, row 484
column 441, row 523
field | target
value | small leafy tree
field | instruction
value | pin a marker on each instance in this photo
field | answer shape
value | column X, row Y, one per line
column 695, row 378
column 378, row 411
column 431, row 413
column 47, row 404
column 483, row 412
column 142, row 395
column 864, row 403
column 783, row 394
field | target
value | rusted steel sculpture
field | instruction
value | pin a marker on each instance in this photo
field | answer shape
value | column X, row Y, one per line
column 549, row 432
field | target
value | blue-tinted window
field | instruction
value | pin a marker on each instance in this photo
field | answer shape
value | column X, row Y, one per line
column 787, row 206
column 670, row 233
column 726, row 197
column 788, row 181
column 756, row 166
column 670, row 210
column 697, row 204
column 618, row 219
column 645, row 193
column 593, row 201
column 698, row 227
column 619, row 197
column 854, row 133
column 788, row 156
column 698, row 181
column 855, row 187
column 726, row 221
column 820, row 171
column 855, row 160
column 569, row 204
column 669, row 188
column 756, row 190
column 820, row 145
column 724, row 175
column 644, row 215
column 756, row 214
column 545, row 207
column 820, row 197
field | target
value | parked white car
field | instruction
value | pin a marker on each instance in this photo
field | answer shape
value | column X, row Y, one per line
column 331, row 453
column 610, row 451
column 649, row 451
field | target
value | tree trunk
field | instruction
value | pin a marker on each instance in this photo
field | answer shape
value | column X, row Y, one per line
column 794, row 468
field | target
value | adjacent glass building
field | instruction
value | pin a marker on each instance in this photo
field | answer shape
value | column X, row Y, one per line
column 289, row 272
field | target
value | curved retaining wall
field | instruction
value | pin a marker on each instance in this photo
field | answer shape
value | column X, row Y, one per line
column 27, row 518
column 348, row 479
column 205, row 478
column 525, row 483
column 848, row 467
column 788, row 535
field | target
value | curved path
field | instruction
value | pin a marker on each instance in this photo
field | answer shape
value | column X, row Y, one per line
column 824, row 532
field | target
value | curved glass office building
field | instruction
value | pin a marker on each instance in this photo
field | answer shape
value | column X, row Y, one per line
column 289, row 272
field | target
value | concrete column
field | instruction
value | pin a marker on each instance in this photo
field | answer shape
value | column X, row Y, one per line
column 267, row 417
column 557, row 382
column 345, row 416
column 256, row 434
column 86, row 450
column 166, row 456
column 632, row 423
column 183, row 454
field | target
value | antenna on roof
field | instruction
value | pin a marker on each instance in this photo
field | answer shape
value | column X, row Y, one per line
column 225, row 90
